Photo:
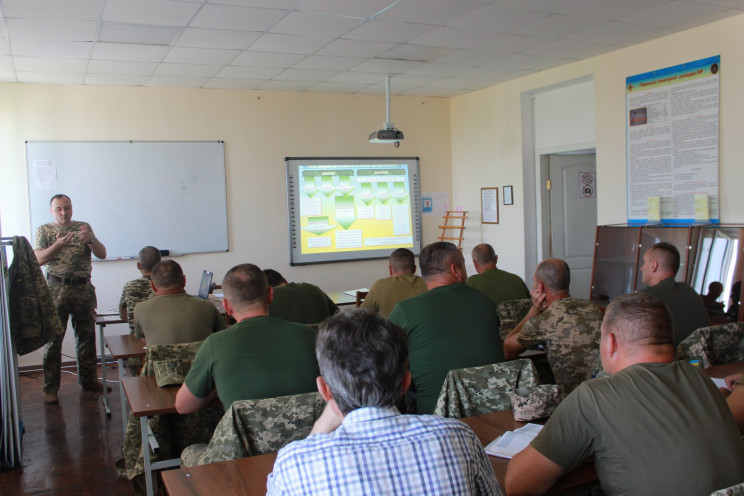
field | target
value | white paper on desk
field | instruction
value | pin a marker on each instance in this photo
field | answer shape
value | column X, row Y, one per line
column 353, row 292
column 512, row 442
column 721, row 383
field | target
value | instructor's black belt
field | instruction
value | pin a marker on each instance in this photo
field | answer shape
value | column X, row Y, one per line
column 67, row 280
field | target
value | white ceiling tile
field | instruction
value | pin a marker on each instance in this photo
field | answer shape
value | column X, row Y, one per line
column 354, row 8
column 118, row 67
column 200, row 55
column 41, row 64
column 531, row 62
column 571, row 49
column 412, row 80
column 428, row 11
column 239, row 18
column 233, row 72
column 461, row 83
column 357, row 78
column 610, row 10
column 556, row 26
column 614, row 33
column 286, row 86
column 399, row 32
column 176, row 82
column 187, row 70
column 304, row 75
column 386, row 66
column 355, row 48
column 266, row 4
column 475, row 40
column 552, row 6
column 8, row 76
column 267, row 59
column 121, row 32
column 50, row 29
column 320, row 25
column 676, row 13
column 115, row 80
column 158, row 12
column 427, row 91
column 406, row 51
column 433, row 69
column 471, row 57
column 53, row 9
column 49, row 77
column 498, row 18
column 285, row 43
column 61, row 49
column 134, row 53
column 326, row 87
column 322, row 62
column 238, row 84
column 216, row 38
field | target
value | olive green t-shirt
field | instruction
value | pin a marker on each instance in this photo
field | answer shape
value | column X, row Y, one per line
column 385, row 293
column 301, row 302
column 449, row 327
column 653, row 428
column 176, row 318
column 499, row 285
column 259, row 357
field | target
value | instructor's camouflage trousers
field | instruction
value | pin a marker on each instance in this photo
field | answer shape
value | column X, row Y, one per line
column 78, row 301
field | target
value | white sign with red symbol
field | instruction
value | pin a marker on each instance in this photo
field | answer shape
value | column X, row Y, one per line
column 587, row 185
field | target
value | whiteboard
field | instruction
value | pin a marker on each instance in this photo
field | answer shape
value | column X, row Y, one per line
column 170, row 195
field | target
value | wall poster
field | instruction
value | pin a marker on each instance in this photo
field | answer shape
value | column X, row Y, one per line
column 672, row 142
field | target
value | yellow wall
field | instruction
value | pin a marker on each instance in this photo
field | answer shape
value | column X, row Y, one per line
column 259, row 129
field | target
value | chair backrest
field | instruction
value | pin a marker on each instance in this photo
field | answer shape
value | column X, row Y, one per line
column 511, row 313
column 256, row 427
column 737, row 490
column 360, row 296
column 714, row 345
column 484, row 389
column 170, row 363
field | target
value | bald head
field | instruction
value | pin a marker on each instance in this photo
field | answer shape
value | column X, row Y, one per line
column 484, row 257
column 554, row 274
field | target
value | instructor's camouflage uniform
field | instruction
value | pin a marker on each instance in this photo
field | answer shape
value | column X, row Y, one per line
column 68, row 276
column 135, row 292
column 569, row 329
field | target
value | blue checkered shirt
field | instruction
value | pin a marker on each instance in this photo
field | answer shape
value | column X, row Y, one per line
column 379, row 451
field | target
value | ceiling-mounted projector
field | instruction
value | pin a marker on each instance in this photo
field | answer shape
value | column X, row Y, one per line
column 388, row 133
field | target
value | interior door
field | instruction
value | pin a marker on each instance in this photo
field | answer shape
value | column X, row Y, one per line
column 573, row 216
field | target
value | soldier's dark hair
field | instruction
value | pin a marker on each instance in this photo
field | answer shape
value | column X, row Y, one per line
column 57, row 197
column 245, row 285
column 484, row 254
column 363, row 358
column 667, row 255
column 437, row 257
column 639, row 319
column 554, row 273
column 148, row 257
column 402, row 260
column 167, row 274
column 274, row 277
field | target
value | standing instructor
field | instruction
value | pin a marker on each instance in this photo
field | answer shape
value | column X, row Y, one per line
column 65, row 246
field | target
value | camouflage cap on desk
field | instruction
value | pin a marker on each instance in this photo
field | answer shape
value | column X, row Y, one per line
column 535, row 402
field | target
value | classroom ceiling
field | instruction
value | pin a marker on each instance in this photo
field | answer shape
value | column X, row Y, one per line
column 431, row 47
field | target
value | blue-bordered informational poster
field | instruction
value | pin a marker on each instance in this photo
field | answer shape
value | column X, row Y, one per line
column 672, row 143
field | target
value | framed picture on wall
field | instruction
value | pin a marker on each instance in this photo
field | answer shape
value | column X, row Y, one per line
column 508, row 199
column 490, row 205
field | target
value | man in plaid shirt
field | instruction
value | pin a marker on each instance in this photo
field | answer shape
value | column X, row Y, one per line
column 361, row 444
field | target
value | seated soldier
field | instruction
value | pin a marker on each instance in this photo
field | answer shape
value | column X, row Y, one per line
column 174, row 316
column 259, row 357
column 654, row 426
column 403, row 283
column 361, row 444
column 660, row 266
column 450, row 326
column 139, row 290
column 498, row 284
column 298, row 302
column 567, row 327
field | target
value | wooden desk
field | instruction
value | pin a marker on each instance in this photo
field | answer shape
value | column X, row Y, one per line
column 247, row 476
column 121, row 347
column 721, row 371
column 102, row 320
column 147, row 399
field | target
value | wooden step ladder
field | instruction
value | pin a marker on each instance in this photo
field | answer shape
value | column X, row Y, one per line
column 458, row 223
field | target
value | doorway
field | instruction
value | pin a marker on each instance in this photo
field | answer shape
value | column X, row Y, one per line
column 569, row 213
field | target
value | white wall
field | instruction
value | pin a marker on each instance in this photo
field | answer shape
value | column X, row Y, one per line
column 487, row 130
column 259, row 128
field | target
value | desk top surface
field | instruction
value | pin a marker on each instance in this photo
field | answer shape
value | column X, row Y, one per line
column 721, row 371
column 340, row 298
column 146, row 398
column 125, row 346
column 108, row 318
column 229, row 478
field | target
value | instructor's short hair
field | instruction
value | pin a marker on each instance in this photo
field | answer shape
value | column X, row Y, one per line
column 363, row 358
column 167, row 274
column 57, row 197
